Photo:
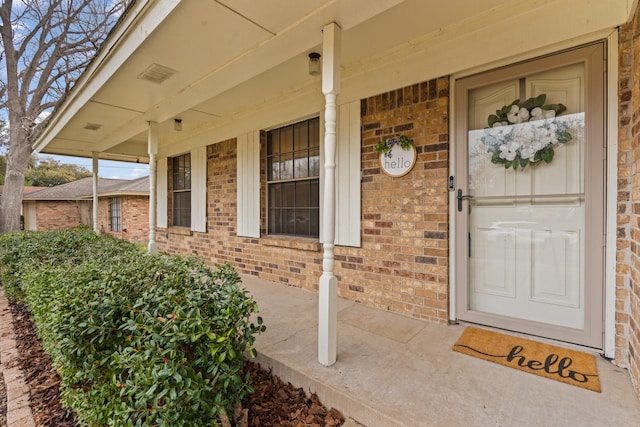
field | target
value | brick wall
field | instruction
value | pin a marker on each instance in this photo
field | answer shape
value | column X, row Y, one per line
column 402, row 264
column 628, row 232
column 290, row 262
column 56, row 214
column 134, row 214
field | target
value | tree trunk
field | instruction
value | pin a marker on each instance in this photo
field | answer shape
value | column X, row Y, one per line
column 11, row 200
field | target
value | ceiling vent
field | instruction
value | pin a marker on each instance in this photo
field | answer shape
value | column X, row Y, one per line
column 156, row 73
column 92, row 126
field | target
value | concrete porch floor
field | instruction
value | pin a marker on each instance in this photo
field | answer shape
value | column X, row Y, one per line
column 396, row 371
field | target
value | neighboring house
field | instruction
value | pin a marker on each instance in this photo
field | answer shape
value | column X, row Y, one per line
column 123, row 207
column 241, row 129
column 25, row 190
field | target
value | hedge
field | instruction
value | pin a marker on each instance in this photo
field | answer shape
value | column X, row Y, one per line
column 138, row 339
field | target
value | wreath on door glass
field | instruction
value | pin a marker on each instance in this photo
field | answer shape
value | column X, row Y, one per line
column 525, row 133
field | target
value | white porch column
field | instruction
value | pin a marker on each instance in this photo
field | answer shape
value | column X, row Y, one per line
column 96, row 228
column 152, row 137
column 328, row 294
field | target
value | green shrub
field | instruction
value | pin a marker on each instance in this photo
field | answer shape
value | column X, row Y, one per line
column 138, row 339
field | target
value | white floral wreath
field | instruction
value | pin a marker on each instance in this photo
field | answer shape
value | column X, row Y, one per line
column 525, row 133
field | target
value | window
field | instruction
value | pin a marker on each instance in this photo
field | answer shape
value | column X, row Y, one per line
column 293, row 171
column 181, row 190
column 115, row 216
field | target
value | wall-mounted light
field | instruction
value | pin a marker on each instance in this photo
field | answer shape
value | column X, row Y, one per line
column 314, row 64
column 177, row 124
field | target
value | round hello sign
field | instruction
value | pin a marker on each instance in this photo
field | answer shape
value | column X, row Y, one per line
column 399, row 158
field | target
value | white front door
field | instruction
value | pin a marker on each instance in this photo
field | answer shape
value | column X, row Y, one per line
column 530, row 233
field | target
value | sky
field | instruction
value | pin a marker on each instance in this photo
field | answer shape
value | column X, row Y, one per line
column 106, row 168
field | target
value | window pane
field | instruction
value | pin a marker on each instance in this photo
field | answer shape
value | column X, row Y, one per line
column 273, row 142
column 286, row 166
column 181, row 173
column 286, row 140
column 290, row 221
column 273, row 168
column 302, row 222
column 182, row 209
column 115, row 223
column 302, row 194
column 314, row 162
column 179, row 181
column 301, row 164
column 314, row 193
column 293, row 154
column 275, row 200
column 314, row 133
column 181, row 166
column 301, row 136
column 314, row 220
column 288, row 195
column 274, row 221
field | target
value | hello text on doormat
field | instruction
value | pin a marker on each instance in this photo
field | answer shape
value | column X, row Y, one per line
column 557, row 363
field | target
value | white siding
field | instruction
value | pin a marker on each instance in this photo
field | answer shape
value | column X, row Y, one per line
column 248, row 193
column 161, row 193
column 199, row 189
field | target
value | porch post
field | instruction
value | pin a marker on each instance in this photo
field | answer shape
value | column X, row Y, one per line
column 328, row 293
column 153, row 150
column 96, row 228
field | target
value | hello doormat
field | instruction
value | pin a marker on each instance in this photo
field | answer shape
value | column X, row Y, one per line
column 561, row 364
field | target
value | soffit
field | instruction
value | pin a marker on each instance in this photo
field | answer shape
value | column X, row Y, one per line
column 231, row 55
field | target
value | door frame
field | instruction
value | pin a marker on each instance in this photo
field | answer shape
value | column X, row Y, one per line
column 610, row 38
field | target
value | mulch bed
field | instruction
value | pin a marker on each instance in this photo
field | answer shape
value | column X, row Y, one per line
column 274, row 403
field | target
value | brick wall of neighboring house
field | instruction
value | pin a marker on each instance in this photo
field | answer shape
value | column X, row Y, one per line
column 628, row 232
column 57, row 214
column 134, row 212
column 402, row 264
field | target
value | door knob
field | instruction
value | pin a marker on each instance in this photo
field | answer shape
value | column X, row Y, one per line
column 461, row 198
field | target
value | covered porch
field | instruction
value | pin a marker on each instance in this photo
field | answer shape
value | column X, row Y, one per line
column 203, row 83
column 396, row 371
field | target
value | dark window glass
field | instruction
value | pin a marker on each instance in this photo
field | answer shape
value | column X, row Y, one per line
column 115, row 216
column 181, row 190
column 293, row 170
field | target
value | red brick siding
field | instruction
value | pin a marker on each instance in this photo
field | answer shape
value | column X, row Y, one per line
column 221, row 244
column 628, row 231
column 402, row 265
column 134, row 213
column 57, row 214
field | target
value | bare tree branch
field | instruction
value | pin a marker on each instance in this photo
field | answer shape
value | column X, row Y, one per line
column 46, row 45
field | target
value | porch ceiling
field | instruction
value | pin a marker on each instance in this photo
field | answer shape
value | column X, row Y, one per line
column 227, row 55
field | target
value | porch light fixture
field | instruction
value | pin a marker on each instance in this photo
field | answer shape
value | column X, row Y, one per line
column 177, row 124
column 314, row 64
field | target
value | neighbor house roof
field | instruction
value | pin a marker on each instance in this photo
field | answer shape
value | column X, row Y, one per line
column 25, row 190
column 82, row 189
